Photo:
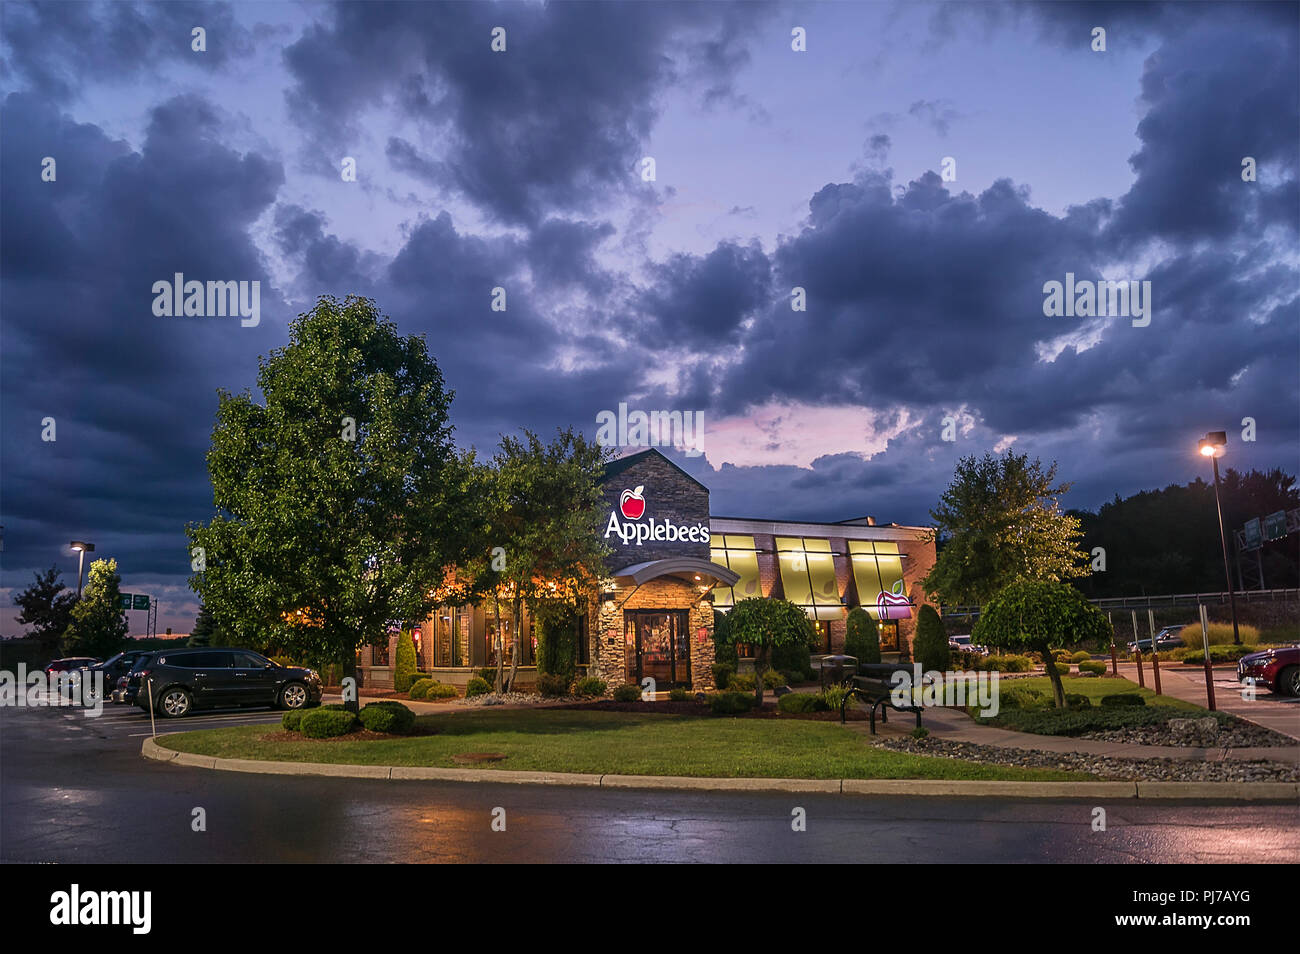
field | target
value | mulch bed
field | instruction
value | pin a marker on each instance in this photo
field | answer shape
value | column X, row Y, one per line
column 693, row 708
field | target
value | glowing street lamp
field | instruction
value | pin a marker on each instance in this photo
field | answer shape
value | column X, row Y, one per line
column 82, row 549
column 1211, row 446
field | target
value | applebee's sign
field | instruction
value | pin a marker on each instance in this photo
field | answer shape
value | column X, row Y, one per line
column 631, row 530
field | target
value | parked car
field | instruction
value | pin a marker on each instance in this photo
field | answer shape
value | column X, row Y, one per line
column 1167, row 638
column 115, row 668
column 187, row 679
column 963, row 644
column 128, row 685
column 70, row 664
column 1277, row 669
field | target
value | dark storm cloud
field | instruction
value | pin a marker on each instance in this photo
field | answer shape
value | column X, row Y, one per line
column 132, row 395
column 551, row 124
column 58, row 48
column 702, row 300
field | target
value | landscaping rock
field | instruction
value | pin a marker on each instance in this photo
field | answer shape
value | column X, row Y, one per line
column 1197, row 732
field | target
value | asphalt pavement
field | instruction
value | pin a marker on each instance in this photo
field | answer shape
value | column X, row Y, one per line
column 74, row 789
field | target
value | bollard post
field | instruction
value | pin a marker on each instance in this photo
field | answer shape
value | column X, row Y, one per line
column 1155, row 650
column 1114, row 656
column 1209, row 670
column 1137, row 648
column 153, row 729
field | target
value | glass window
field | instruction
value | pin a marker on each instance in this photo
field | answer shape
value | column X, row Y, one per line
column 379, row 655
column 248, row 661
column 878, row 573
column 739, row 555
column 808, row 574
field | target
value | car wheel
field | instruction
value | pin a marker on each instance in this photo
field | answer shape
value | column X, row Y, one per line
column 1288, row 681
column 176, row 702
column 293, row 696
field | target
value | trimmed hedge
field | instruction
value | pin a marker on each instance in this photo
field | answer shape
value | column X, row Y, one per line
column 1022, row 697
column 627, row 693
column 930, row 644
column 741, row 682
column 292, row 720
column 478, row 686
column 388, row 716
column 1077, row 700
column 441, row 690
column 1080, row 656
column 552, row 687
column 731, row 703
column 679, row 695
column 589, row 686
column 773, row 679
column 1093, row 666
column 797, row 702
column 1122, row 700
column 405, row 665
column 326, row 723
column 420, row 688
column 862, row 637
column 722, row 673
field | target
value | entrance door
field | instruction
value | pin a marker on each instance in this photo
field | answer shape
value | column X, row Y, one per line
column 661, row 647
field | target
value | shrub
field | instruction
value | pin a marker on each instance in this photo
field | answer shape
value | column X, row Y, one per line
column 335, row 707
column 1119, row 700
column 388, row 716
column 440, row 690
column 405, row 664
column 293, row 718
column 731, row 703
column 589, row 686
column 679, row 694
column 791, row 678
column 488, row 674
column 773, row 679
column 477, row 686
column 1062, row 666
column 741, row 682
column 792, row 656
column 1196, row 657
column 420, row 688
column 920, row 732
column 1081, row 656
column 557, row 647
column 832, row 696
column 1021, row 697
column 862, row 637
column 1095, row 667
column 722, row 673
column 724, row 648
column 627, row 693
column 1076, row 700
column 1220, row 634
column 553, row 686
column 930, row 645
column 797, row 702
column 326, row 723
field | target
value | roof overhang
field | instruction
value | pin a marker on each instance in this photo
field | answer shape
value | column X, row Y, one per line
column 684, row 567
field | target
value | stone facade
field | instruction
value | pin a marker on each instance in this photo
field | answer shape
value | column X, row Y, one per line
column 670, row 496
column 613, row 657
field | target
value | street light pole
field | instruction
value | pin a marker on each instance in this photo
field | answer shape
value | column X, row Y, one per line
column 82, row 549
column 1211, row 447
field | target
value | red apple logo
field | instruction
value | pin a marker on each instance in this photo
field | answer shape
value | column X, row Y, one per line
column 632, row 504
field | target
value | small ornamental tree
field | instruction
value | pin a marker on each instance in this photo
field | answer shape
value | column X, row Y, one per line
column 98, row 626
column 1040, row 615
column 931, row 642
column 766, row 624
column 404, row 666
column 862, row 640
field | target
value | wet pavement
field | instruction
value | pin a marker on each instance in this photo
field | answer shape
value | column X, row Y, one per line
column 77, row 790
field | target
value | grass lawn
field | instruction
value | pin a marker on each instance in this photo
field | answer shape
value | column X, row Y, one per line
column 618, row 743
column 1095, row 688
column 1053, row 721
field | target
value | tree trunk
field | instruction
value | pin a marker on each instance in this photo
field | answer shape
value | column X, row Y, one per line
column 760, row 666
column 496, row 641
column 1058, row 691
column 516, row 621
column 350, row 672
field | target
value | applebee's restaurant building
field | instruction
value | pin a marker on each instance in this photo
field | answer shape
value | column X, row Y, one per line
column 673, row 565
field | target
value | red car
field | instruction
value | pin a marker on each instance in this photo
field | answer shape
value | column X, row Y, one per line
column 1277, row 669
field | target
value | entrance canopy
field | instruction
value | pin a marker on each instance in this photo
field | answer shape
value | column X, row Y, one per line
column 691, row 569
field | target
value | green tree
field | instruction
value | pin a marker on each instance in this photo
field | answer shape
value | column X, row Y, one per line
column 404, row 666
column 766, row 624
column 98, row 627
column 862, row 637
column 931, row 641
column 203, row 632
column 1000, row 521
column 724, row 647
column 47, row 606
column 1040, row 615
column 341, row 502
column 547, row 553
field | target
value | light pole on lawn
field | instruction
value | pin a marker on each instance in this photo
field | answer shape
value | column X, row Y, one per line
column 1211, row 446
column 82, row 549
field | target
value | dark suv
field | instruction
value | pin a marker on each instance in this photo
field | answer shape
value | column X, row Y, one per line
column 186, row 679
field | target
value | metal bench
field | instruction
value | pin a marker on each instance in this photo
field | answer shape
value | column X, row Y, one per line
column 872, row 685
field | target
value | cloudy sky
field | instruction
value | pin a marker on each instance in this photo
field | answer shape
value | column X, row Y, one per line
column 774, row 168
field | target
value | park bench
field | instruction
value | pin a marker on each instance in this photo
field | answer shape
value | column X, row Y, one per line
column 872, row 685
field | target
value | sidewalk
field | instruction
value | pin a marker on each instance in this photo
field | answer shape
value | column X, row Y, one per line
column 956, row 726
column 1279, row 713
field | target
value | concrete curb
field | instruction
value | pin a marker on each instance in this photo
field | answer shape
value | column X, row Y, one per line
column 1077, row 791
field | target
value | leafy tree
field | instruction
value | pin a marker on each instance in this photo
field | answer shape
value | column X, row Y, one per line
column 341, row 502
column 47, row 606
column 404, row 666
column 98, row 626
column 766, row 624
column 724, row 647
column 931, row 641
column 1000, row 521
column 862, row 638
column 1040, row 615
column 545, row 516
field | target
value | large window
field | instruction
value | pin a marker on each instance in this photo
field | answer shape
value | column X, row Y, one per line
column 808, row 575
column 878, row 573
column 739, row 555
column 379, row 655
column 446, row 637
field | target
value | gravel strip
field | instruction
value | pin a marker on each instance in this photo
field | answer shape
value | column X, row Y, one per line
column 1239, row 735
column 1105, row 767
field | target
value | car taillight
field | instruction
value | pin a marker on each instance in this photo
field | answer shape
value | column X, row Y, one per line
column 142, row 673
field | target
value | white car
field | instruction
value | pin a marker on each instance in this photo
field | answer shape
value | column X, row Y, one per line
column 963, row 644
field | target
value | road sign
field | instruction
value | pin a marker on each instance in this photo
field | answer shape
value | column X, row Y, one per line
column 139, row 602
column 1253, row 534
column 123, row 600
column 1275, row 525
